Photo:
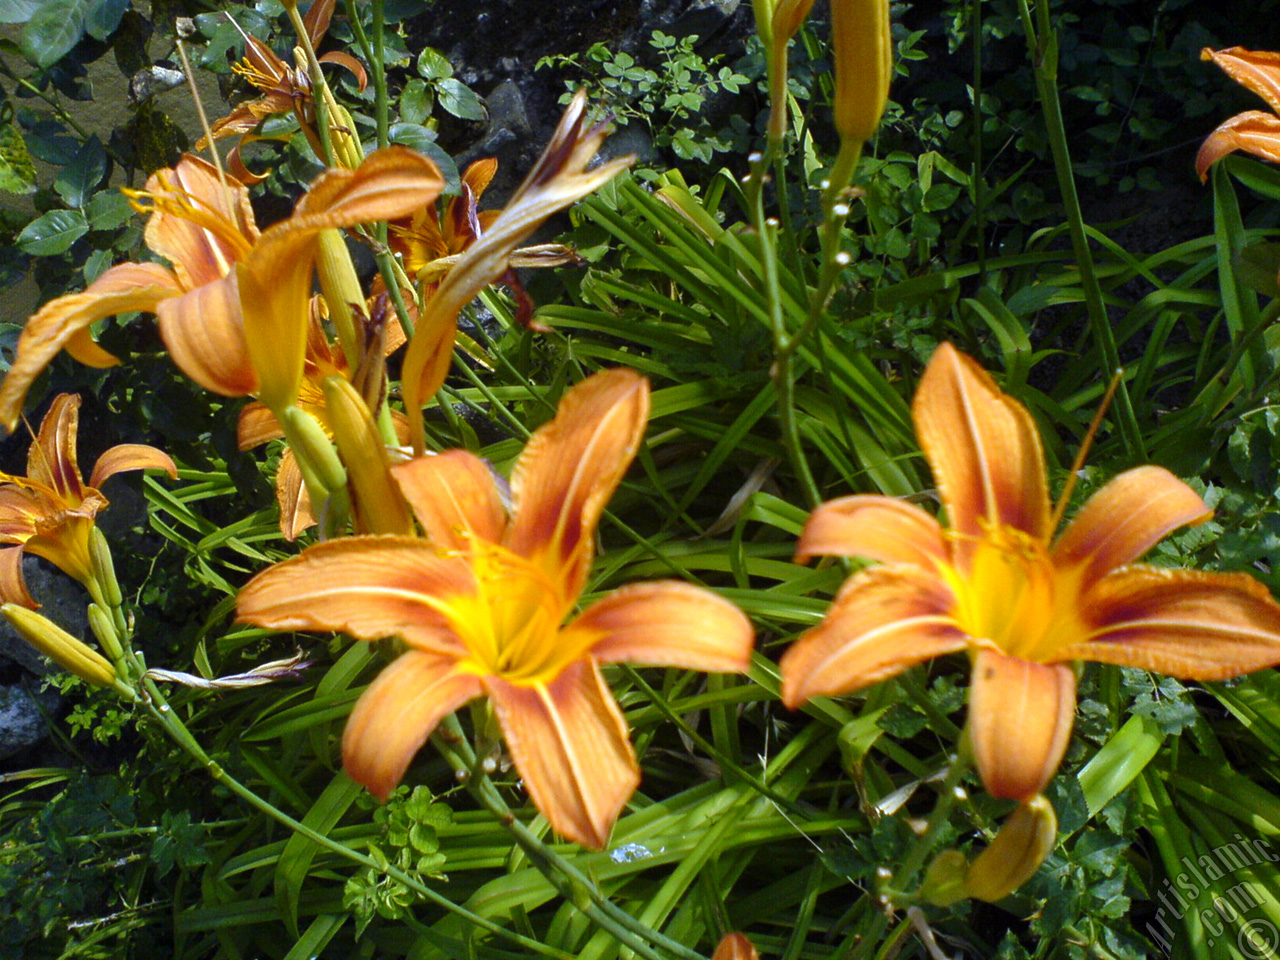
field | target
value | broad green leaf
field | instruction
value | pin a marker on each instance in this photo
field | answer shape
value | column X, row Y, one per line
column 460, row 100
column 434, row 65
column 53, row 30
column 17, row 172
column 416, row 102
column 103, row 17
column 17, row 11
column 80, row 177
column 418, row 137
column 108, row 209
column 52, row 233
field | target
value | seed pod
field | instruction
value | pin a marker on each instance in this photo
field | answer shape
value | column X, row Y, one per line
column 863, row 52
column 70, row 653
column 1016, row 853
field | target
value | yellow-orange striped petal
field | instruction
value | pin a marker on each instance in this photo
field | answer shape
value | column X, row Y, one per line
column 569, row 741
column 126, row 287
column 13, row 585
column 203, row 332
column 665, row 624
column 368, row 587
column 1020, row 719
column 397, row 713
column 1186, row 623
column 131, row 456
column 571, row 467
column 884, row 620
column 875, row 528
column 1257, row 70
column 1253, row 131
column 983, row 448
column 1125, row 519
column 455, row 497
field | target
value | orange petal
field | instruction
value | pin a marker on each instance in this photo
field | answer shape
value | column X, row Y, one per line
column 666, row 624
column 292, row 498
column 735, row 947
column 395, row 715
column 13, row 585
column 257, row 425
column 1186, row 623
column 455, row 497
column 885, row 620
column 131, row 456
column 199, row 254
column 1020, row 718
column 571, row 467
column 874, row 527
column 204, row 334
column 1125, row 519
column 570, row 743
column 983, row 448
column 480, row 174
column 51, row 460
column 367, row 587
column 125, row 287
column 1257, row 70
column 1253, row 132
column 392, row 182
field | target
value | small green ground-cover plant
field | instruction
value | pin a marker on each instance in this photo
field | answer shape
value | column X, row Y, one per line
column 783, row 328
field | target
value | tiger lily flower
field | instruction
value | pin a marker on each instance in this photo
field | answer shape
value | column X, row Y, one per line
column 997, row 584
column 232, row 309
column 51, row 511
column 1253, row 131
column 481, row 604
column 284, row 89
column 558, row 179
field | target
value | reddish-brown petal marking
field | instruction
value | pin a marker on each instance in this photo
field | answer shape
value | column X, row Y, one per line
column 51, row 459
column 395, row 715
column 571, row 466
column 1185, row 623
column 665, row 624
column 126, row 287
column 983, row 448
column 1253, row 132
column 367, row 587
column 885, row 620
column 1125, row 519
column 570, row 744
column 204, row 334
column 876, row 528
column 1257, row 70
column 1020, row 718
column 455, row 497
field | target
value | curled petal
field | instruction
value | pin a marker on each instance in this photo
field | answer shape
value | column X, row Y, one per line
column 885, row 620
column 131, row 456
column 877, row 528
column 395, row 715
column 1257, row 70
column 367, row 587
column 204, row 334
column 455, row 497
column 257, row 425
column 983, row 448
column 392, row 182
column 571, row 467
column 1125, row 519
column 51, row 460
column 666, row 624
column 1020, row 718
column 13, row 585
column 569, row 741
column 292, row 498
column 1253, row 132
column 1186, row 623
column 128, row 286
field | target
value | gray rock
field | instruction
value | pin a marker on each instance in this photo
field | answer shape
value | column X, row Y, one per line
column 64, row 601
column 22, row 723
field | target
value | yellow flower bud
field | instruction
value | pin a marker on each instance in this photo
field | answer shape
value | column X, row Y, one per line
column 1016, row 853
column 787, row 17
column 377, row 503
column 104, row 569
column 100, row 622
column 944, row 881
column 863, row 54
column 341, row 288
column 73, row 655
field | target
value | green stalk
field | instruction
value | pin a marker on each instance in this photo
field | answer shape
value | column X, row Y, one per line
column 1043, row 48
column 317, row 84
column 979, row 197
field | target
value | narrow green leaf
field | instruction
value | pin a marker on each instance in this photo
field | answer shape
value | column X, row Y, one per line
column 295, row 861
column 1121, row 759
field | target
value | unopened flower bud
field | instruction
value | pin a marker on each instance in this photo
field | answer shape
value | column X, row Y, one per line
column 70, row 653
column 944, row 881
column 377, row 503
column 104, row 569
column 862, row 49
column 1016, row 853
column 735, row 946
column 787, row 17
column 341, row 288
column 100, row 622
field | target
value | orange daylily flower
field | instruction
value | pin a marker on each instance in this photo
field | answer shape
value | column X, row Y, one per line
column 481, row 604
column 232, row 309
column 51, row 511
column 1254, row 131
column 735, row 946
column 558, row 179
column 284, row 89
column 997, row 584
